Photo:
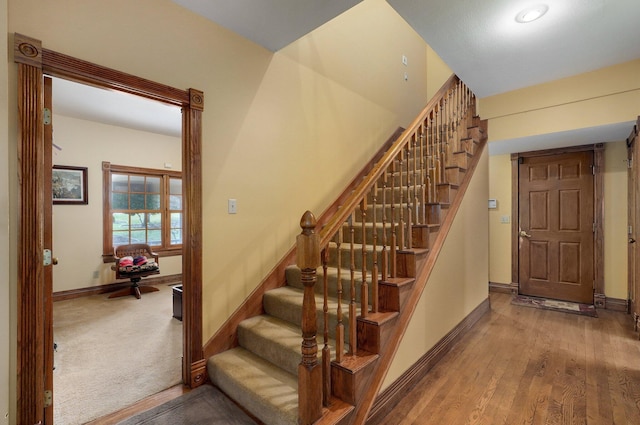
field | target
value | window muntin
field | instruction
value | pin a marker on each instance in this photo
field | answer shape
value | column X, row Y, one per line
column 143, row 206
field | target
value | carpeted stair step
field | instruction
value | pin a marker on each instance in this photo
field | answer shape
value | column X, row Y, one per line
column 274, row 340
column 397, row 193
column 345, row 255
column 293, row 276
column 389, row 210
column 266, row 391
column 286, row 304
column 383, row 232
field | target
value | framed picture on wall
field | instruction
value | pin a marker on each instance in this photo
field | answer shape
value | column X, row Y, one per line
column 69, row 185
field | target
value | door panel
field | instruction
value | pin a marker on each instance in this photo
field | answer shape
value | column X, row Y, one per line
column 556, row 226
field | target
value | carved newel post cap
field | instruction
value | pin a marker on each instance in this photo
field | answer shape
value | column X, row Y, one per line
column 308, row 222
column 308, row 243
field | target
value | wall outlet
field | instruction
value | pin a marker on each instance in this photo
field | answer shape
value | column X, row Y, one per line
column 96, row 274
column 404, row 60
column 505, row 219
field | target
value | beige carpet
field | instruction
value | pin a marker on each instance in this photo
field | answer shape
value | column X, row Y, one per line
column 113, row 352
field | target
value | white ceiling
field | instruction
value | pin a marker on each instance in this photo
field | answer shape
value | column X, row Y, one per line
column 479, row 40
column 115, row 108
column 492, row 53
column 271, row 23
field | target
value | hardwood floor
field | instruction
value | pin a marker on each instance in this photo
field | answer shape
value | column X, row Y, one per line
column 141, row 406
column 522, row 365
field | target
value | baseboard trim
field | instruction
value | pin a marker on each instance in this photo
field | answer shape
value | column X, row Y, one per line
column 391, row 396
column 109, row 287
column 503, row 288
column 617, row 304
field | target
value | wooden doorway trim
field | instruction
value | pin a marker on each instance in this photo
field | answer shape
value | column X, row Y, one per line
column 33, row 62
column 633, row 220
column 598, row 214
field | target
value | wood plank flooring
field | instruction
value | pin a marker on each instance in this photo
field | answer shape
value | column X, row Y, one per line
column 522, row 365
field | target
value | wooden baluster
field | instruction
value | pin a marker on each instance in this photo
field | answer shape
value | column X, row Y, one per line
column 418, row 209
column 465, row 104
column 401, row 223
column 340, row 324
column 326, row 351
column 394, row 224
column 430, row 156
column 352, row 305
column 423, row 173
column 374, row 269
column 438, row 149
column 443, row 140
column 410, row 207
column 454, row 117
column 384, row 272
column 309, row 370
column 364, row 286
column 447, row 132
column 459, row 117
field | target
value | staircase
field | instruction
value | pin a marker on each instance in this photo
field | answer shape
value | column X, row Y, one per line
column 356, row 281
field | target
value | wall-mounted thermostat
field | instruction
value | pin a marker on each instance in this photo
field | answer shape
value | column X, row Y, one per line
column 493, row 203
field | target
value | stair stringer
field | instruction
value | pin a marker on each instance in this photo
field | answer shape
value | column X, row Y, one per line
column 423, row 271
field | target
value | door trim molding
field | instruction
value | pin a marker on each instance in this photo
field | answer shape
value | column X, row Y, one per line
column 33, row 62
column 599, row 297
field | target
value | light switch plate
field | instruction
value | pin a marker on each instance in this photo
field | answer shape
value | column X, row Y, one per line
column 232, row 206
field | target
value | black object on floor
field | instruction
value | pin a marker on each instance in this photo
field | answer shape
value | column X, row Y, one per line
column 203, row 406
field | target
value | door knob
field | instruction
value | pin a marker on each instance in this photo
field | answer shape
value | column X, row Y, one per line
column 631, row 240
column 54, row 261
column 524, row 234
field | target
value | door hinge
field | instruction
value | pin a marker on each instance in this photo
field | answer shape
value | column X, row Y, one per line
column 48, row 398
column 593, row 170
column 630, row 163
column 47, row 116
column 594, row 227
column 46, row 258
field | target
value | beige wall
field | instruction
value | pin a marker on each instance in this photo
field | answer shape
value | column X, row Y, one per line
column 615, row 220
column 77, row 229
column 499, row 232
column 458, row 283
column 606, row 96
column 437, row 72
column 6, row 312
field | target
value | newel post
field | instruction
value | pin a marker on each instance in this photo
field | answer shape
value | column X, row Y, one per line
column 309, row 370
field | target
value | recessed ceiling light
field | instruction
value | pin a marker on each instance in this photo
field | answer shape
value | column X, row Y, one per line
column 530, row 14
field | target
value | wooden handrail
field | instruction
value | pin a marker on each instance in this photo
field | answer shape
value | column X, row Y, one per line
column 352, row 202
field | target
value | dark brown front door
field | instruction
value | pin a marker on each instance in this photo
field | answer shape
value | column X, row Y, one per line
column 556, row 226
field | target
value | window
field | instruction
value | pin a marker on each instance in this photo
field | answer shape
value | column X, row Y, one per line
column 142, row 205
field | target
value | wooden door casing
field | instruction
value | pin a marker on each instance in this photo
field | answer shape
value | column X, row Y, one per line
column 33, row 62
column 556, row 226
column 633, row 217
